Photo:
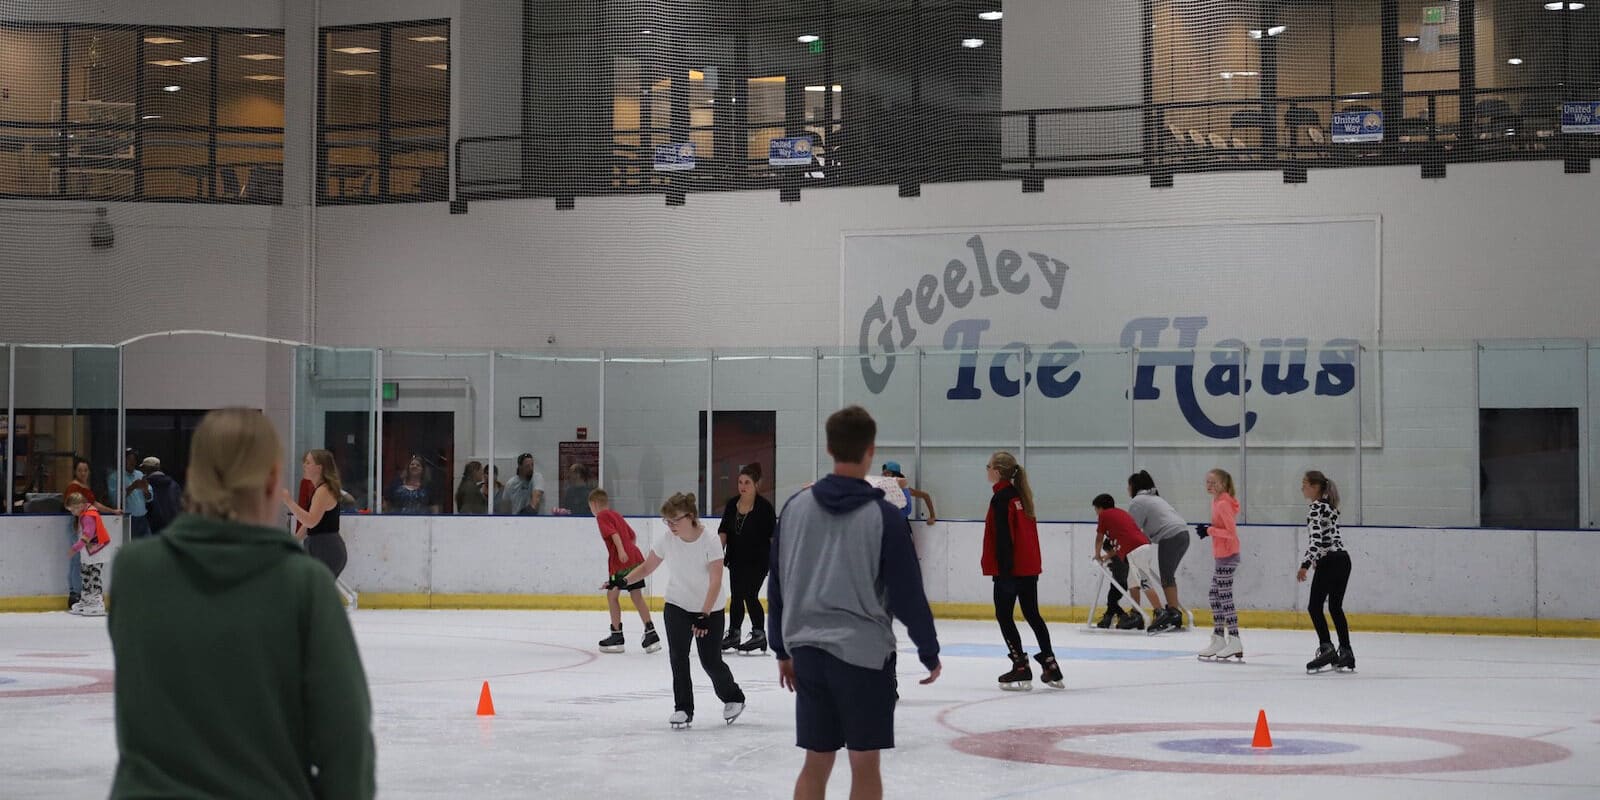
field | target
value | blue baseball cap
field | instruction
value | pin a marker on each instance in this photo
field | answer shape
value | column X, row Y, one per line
column 893, row 467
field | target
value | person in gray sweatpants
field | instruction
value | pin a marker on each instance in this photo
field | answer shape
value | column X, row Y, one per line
column 1169, row 533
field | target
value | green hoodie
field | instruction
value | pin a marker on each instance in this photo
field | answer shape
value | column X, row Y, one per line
column 236, row 671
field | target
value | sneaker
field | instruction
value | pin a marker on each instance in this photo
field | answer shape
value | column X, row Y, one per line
column 731, row 711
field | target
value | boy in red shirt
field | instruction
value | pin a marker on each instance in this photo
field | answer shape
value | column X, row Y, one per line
column 623, row 555
column 1121, row 527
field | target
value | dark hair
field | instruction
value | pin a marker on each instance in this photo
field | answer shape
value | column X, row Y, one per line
column 523, row 456
column 1325, row 487
column 579, row 471
column 1104, row 501
column 76, row 460
column 753, row 469
column 851, row 432
column 1141, row 482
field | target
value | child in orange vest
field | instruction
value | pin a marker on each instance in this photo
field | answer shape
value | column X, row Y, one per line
column 95, row 543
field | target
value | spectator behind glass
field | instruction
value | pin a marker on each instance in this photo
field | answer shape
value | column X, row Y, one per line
column 81, row 478
column 411, row 493
column 575, row 498
column 472, row 494
column 524, row 493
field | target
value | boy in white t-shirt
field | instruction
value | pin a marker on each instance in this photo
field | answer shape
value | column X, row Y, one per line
column 695, row 603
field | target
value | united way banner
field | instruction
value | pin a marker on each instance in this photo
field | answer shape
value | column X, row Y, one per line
column 1298, row 296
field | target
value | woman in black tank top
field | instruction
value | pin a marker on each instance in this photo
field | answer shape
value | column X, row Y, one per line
column 319, row 524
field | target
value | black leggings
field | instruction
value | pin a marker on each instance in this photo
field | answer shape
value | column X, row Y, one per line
column 1007, row 592
column 329, row 549
column 1119, row 573
column 745, row 593
column 680, row 640
column 1327, row 585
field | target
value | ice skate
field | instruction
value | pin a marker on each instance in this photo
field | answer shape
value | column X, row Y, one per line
column 680, row 720
column 731, row 640
column 97, row 608
column 731, row 712
column 755, row 645
column 1107, row 619
column 651, row 642
column 1133, row 621
column 1165, row 620
column 1346, row 661
column 1217, row 641
column 614, row 642
column 1231, row 648
column 1325, row 657
column 1020, row 678
column 1050, row 671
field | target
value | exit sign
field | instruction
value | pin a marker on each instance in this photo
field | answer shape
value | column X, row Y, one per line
column 814, row 47
column 1433, row 15
column 391, row 391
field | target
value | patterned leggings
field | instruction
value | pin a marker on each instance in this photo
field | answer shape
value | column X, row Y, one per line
column 91, row 581
column 1222, row 611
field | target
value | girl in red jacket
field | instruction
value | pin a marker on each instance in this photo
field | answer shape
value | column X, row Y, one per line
column 1225, row 547
column 1011, row 557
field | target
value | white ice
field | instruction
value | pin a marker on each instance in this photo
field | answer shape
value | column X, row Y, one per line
column 572, row 722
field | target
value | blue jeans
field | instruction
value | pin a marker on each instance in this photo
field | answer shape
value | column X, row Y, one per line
column 139, row 527
column 74, row 565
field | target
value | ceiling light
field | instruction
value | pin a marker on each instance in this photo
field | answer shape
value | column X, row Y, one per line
column 356, row 72
column 172, row 88
column 434, row 38
column 1255, row 34
column 647, row 31
column 355, row 51
column 1249, row 73
column 261, row 57
column 256, row 35
column 168, row 62
column 990, row 16
column 971, row 44
column 836, row 87
column 1574, row 6
column 807, row 38
column 1411, row 39
column 1277, row 29
column 151, row 116
column 263, row 77
column 1515, row 62
column 437, row 66
column 1568, row 6
column 161, row 40
column 193, row 59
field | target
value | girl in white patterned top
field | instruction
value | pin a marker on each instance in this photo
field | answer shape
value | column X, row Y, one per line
column 1325, row 552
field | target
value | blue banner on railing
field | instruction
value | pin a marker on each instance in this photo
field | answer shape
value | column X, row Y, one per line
column 1583, row 117
column 792, row 151
column 674, row 157
column 1357, row 126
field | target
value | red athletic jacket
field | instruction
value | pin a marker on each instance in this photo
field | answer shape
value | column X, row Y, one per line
column 1010, row 536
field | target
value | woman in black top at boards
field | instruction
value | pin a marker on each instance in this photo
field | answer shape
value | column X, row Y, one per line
column 1325, row 552
column 748, row 522
column 319, row 524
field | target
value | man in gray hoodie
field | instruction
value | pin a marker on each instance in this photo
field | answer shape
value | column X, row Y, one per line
column 843, row 569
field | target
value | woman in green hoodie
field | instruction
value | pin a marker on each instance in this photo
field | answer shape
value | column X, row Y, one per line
column 236, row 671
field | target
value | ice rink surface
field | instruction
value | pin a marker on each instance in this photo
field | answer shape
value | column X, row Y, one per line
column 1423, row 717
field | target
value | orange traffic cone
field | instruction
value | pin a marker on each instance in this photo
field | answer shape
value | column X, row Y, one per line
column 486, row 704
column 1263, row 738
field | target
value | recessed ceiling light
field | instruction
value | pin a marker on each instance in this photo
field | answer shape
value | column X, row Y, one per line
column 261, row 57
column 971, row 44
column 1515, row 62
column 193, row 59
column 161, row 40
column 1411, row 39
column 168, row 62
column 990, row 16
column 355, row 51
column 172, row 88
column 807, row 38
column 263, row 77
column 356, row 72
column 433, row 38
column 437, row 66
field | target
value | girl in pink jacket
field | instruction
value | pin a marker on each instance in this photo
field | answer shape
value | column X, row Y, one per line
column 1225, row 547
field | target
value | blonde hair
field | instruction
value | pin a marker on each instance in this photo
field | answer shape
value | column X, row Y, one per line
column 600, row 496
column 680, row 504
column 330, row 470
column 1006, row 464
column 1225, row 479
column 73, row 500
column 231, row 459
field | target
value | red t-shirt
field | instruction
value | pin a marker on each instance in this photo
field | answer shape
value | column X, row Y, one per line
column 1119, row 525
column 610, row 523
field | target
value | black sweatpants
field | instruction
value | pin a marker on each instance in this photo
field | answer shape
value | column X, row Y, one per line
column 1328, row 583
column 1119, row 572
column 1007, row 593
column 680, row 635
column 744, row 589
column 329, row 549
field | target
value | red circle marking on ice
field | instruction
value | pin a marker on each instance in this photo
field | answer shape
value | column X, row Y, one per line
column 1479, row 751
column 101, row 683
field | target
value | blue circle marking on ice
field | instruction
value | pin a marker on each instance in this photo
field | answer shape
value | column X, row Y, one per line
column 4, row 680
column 1062, row 654
column 1241, row 747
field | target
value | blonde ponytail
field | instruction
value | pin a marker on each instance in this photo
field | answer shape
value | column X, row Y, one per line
column 231, row 460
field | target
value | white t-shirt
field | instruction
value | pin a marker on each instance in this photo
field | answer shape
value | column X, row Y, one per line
column 688, row 578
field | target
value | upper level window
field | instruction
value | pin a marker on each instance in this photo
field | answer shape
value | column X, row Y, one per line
column 141, row 113
column 384, row 131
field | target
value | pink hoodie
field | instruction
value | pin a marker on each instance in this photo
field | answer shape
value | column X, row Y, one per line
column 1224, row 534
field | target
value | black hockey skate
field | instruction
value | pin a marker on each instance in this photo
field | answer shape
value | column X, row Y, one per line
column 1347, row 660
column 1050, row 671
column 1107, row 619
column 731, row 640
column 1133, row 621
column 755, row 645
column 1020, row 678
column 1325, row 658
column 651, row 641
column 614, row 642
column 1168, row 619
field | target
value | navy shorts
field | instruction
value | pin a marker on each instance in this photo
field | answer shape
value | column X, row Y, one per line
column 842, row 705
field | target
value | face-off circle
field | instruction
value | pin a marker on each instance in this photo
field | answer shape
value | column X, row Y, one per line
column 1476, row 751
column 52, row 681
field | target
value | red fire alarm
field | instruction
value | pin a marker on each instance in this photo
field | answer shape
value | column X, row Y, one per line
column 583, row 434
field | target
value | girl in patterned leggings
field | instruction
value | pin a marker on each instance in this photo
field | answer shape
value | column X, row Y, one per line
column 1225, row 547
